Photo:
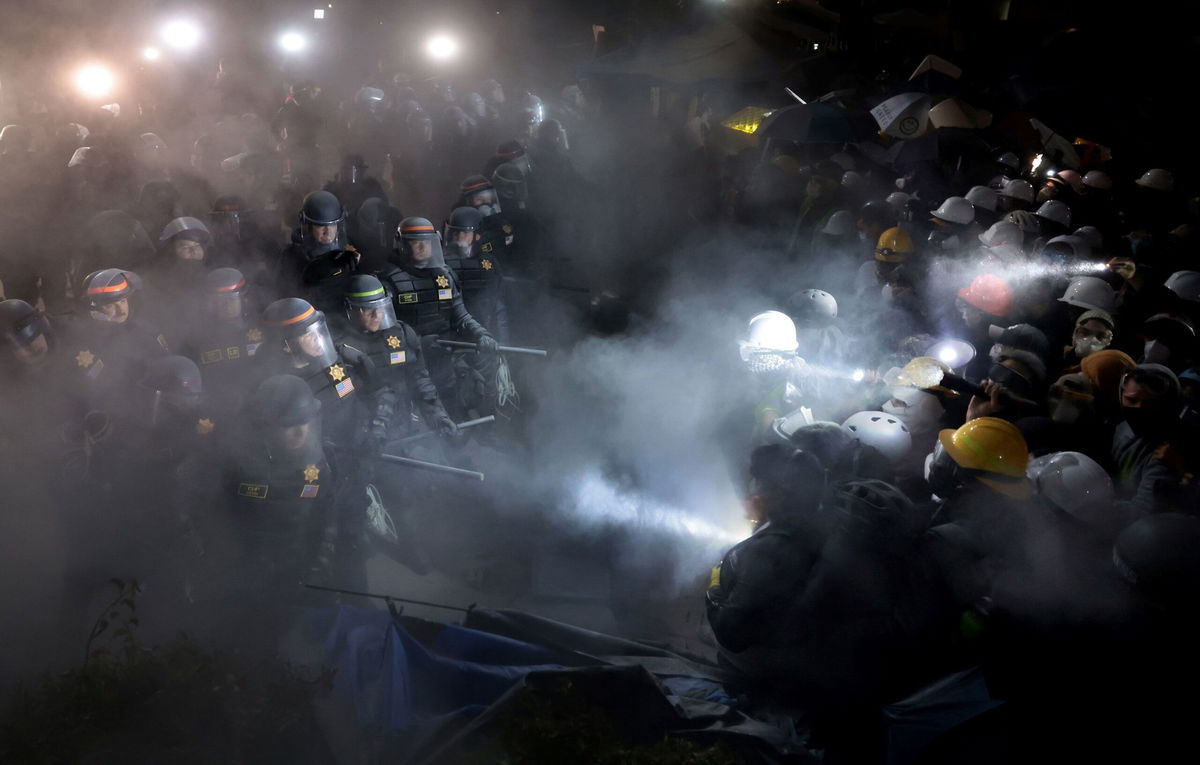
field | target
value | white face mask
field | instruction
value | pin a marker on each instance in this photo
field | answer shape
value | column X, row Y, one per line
column 1087, row 346
column 1155, row 353
column 920, row 411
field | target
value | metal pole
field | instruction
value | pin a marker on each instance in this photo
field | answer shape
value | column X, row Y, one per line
column 502, row 348
column 431, row 466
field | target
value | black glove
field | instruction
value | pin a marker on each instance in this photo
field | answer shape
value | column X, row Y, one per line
column 487, row 344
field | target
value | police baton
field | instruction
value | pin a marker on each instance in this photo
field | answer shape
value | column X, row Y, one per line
column 460, row 426
column 501, row 348
column 387, row 597
column 431, row 466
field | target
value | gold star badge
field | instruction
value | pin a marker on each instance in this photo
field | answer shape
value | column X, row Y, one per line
column 204, row 426
column 254, row 336
column 487, row 264
column 312, row 473
column 84, row 359
column 442, row 282
column 393, row 341
column 337, row 373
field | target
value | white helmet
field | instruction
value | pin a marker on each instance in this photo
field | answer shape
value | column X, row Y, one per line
column 897, row 199
column 1185, row 284
column 1079, row 247
column 1092, row 236
column 1056, row 211
column 813, row 304
column 1090, row 292
column 1009, row 160
column 1070, row 178
column 1158, row 179
column 956, row 210
column 1018, row 188
column 1097, row 179
column 770, row 332
column 1075, row 484
column 982, row 196
column 1002, row 233
column 884, row 432
column 841, row 223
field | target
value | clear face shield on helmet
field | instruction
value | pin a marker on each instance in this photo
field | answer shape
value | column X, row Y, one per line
column 486, row 201
column 371, row 315
column 226, row 306
column 458, row 239
column 313, row 346
column 424, row 251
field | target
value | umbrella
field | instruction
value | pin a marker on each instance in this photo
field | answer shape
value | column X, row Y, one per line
column 945, row 143
column 746, row 120
column 903, row 116
column 808, row 123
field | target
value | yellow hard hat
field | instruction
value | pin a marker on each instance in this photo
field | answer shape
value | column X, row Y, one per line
column 894, row 246
column 993, row 446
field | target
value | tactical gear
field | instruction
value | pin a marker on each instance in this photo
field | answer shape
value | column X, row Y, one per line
column 302, row 331
column 321, row 208
column 478, row 192
column 21, row 323
column 109, row 286
column 188, row 228
column 418, row 245
column 364, row 293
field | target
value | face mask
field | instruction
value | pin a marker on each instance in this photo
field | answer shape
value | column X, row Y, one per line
column 1155, row 353
column 1088, row 345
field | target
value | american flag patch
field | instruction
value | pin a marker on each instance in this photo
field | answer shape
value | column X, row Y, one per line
column 310, row 490
column 445, row 295
column 344, row 388
column 399, row 357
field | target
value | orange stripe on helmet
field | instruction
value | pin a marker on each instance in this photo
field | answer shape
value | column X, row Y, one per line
column 406, row 229
column 294, row 319
column 110, row 288
column 232, row 287
column 480, row 185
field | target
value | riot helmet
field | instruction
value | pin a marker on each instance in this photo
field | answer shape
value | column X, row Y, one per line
column 418, row 245
column 107, row 294
column 511, row 186
column 478, row 192
column 226, row 217
column 301, row 331
column 225, row 288
column 320, row 212
column 368, row 305
column 187, row 238
column 173, row 386
column 462, row 227
column 285, row 407
column 552, row 135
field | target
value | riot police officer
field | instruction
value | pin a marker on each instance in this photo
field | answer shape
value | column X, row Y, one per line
column 428, row 299
column 395, row 351
column 477, row 270
column 109, row 344
column 319, row 239
column 495, row 232
column 225, row 341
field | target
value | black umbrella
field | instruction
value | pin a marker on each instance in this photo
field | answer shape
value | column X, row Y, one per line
column 808, row 123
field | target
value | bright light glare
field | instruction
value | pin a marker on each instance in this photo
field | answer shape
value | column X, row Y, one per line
column 442, row 47
column 292, row 42
column 94, row 81
column 1037, row 161
column 318, row 13
column 151, row 54
column 858, row 375
column 947, row 356
column 181, row 34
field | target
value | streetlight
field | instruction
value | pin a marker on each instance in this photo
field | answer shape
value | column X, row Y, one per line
column 181, row 34
column 94, row 80
column 292, row 42
column 441, row 47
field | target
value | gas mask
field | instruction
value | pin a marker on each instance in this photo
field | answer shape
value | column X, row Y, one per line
column 1085, row 346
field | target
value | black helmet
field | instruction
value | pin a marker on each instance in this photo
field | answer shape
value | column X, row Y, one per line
column 363, row 295
column 551, row 134
column 412, row 231
column 302, row 331
column 175, row 380
column 226, row 215
column 478, row 192
column 509, row 180
column 110, row 285
column 878, row 508
column 283, row 401
column 463, row 219
column 225, row 288
column 321, row 208
column 192, row 229
column 1160, row 555
column 21, row 323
